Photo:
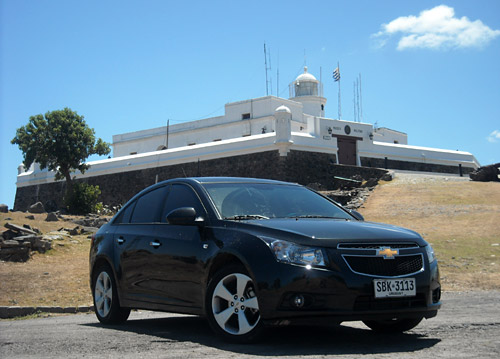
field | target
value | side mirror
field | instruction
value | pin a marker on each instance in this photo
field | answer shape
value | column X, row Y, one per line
column 356, row 215
column 184, row 216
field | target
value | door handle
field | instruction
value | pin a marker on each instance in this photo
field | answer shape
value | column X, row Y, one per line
column 155, row 244
column 120, row 240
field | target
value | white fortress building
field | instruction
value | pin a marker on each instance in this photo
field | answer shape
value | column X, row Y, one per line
column 297, row 123
column 258, row 127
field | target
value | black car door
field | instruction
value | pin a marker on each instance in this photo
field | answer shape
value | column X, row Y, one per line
column 177, row 262
column 135, row 245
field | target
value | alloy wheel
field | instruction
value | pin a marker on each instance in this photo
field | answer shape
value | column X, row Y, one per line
column 234, row 304
column 103, row 294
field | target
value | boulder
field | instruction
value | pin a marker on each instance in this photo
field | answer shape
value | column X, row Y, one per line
column 4, row 208
column 36, row 208
column 486, row 173
column 51, row 217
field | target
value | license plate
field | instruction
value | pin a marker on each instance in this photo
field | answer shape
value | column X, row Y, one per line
column 385, row 288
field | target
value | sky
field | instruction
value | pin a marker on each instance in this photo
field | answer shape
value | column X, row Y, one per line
column 428, row 68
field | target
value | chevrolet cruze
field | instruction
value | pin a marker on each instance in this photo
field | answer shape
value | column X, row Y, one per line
column 252, row 253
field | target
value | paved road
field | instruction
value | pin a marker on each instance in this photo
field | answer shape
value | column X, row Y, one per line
column 468, row 326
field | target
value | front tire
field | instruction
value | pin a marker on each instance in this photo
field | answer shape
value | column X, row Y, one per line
column 392, row 325
column 232, row 306
column 106, row 303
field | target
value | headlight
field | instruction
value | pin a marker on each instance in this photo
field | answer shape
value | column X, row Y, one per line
column 288, row 252
column 430, row 253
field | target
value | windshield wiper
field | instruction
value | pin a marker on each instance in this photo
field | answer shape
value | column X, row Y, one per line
column 245, row 216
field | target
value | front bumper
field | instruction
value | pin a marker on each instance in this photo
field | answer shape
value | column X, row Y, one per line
column 336, row 294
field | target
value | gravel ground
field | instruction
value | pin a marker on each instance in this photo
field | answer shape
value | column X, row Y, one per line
column 467, row 326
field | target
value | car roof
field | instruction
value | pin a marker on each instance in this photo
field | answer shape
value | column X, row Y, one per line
column 205, row 180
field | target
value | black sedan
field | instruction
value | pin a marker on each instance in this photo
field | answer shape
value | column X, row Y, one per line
column 252, row 253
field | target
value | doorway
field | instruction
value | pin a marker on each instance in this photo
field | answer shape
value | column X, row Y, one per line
column 347, row 150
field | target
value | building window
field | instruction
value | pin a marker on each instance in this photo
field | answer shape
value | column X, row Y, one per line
column 322, row 107
column 192, row 144
column 218, row 139
column 245, row 116
column 133, row 153
column 396, row 141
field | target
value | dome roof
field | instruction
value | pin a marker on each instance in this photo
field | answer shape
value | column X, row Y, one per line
column 283, row 108
column 306, row 76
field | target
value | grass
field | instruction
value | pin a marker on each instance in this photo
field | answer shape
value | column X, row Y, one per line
column 58, row 277
column 460, row 219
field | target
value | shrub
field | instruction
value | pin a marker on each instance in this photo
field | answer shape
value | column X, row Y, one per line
column 84, row 198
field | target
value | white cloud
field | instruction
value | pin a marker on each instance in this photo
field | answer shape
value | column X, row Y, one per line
column 494, row 136
column 437, row 28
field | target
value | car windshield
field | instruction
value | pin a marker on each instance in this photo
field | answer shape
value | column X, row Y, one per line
column 241, row 201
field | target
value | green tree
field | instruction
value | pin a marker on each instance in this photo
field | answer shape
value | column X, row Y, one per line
column 60, row 141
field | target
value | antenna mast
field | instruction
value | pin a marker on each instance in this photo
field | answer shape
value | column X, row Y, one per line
column 268, row 79
column 265, row 63
column 278, row 76
column 360, row 98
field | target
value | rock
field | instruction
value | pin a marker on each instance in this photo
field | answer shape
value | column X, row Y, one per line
column 10, row 234
column 389, row 176
column 12, row 243
column 75, row 231
column 37, row 243
column 89, row 230
column 372, row 182
column 15, row 251
column 486, row 173
column 30, row 217
column 16, row 228
column 95, row 222
column 51, row 217
column 4, row 208
column 36, row 208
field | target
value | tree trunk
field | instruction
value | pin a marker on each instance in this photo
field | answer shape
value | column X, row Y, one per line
column 69, row 183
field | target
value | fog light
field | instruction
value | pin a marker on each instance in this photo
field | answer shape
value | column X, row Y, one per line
column 298, row 301
column 436, row 295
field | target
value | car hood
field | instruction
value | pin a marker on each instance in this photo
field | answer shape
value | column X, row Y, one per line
column 329, row 232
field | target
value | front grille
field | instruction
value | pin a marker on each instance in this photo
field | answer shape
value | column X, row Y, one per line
column 378, row 266
column 376, row 245
column 370, row 303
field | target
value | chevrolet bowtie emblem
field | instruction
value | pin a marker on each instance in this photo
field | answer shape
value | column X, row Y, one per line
column 387, row 252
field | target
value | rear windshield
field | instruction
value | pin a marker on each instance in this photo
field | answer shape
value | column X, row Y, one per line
column 270, row 201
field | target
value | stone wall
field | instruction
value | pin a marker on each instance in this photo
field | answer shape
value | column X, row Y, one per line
column 298, row 166
column 412, row 166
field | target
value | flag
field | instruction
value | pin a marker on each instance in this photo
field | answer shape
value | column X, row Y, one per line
column 336, row 74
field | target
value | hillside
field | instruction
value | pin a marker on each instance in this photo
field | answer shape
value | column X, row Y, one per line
column 460, row 218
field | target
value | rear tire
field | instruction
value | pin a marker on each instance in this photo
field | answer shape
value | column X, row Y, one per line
column 232, row 307
column 105, row 294
column 392, row 325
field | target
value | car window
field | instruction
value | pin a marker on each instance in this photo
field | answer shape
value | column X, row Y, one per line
column 125, row 214
column 271, row 201
column 148, row 206
column 181, row 195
